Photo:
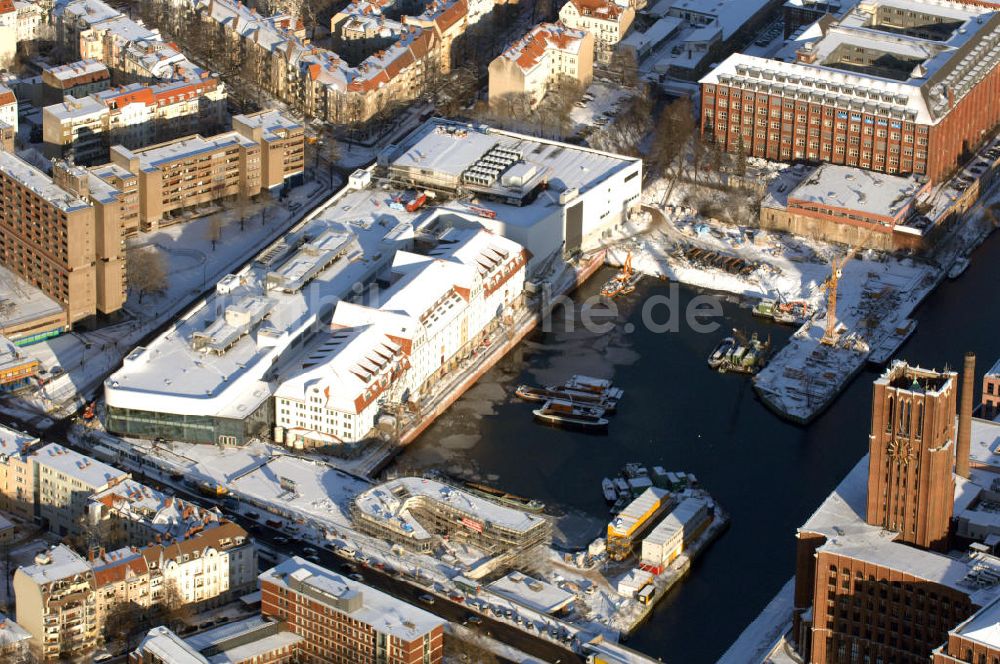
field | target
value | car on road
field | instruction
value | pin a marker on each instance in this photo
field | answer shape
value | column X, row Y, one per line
column 474, row 619
column 251, row 515
column 357, row 577
column 426, row 599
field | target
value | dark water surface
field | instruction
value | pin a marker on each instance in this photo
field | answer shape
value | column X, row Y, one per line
column 769, row 474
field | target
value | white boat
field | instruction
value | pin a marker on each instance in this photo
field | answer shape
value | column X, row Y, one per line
column 958, row 267
column 610, row 494
column 594, row 386
column 570, row 415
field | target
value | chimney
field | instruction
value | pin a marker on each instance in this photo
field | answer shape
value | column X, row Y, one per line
column 965, row 416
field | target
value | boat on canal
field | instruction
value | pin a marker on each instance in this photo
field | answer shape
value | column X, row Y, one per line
column 610, row 493
column 739, row 354
column 591, row 385
column 543, row 394
column 569, row 415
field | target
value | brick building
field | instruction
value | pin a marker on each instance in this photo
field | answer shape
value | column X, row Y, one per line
column 897, row 86
column 63, row 235
column 282, row 147
column 912, row 454
column 190, row 171
column 76, row 79
column 990, row 407
column 345, row 622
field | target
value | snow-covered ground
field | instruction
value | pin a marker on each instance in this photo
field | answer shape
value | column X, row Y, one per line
column 877, row 293
column 81, row 360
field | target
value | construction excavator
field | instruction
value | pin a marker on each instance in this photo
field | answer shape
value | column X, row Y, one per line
column 831, row 285
column 622, row 283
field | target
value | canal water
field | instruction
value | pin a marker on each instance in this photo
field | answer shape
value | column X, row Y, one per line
column 767, row 473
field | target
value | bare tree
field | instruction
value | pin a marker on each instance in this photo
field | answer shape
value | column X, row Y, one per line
column 146, row 270
column 176, row 611
column 624, row 66
column 458, row 650
column 673, row 131
column 213, row 230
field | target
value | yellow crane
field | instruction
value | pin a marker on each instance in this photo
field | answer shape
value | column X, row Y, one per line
column 831, row 285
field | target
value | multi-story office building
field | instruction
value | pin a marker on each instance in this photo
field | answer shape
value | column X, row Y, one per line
column 608, row 21
column 16, row 479
column 57, row 604
column 533, row 63
column 190, row 171
column 342, row 621
column 897, row 86
column 282, row 147
column 867, row 588
column 63, row 482
column 76, row 79
column 63, row 236
column 134, row 116
column 437, row 309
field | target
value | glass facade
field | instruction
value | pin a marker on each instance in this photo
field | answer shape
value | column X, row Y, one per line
column 191, row 428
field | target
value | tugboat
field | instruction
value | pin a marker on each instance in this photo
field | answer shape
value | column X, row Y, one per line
column 795, row 312
column 568, row 415
column 610, row 494
column 721, row 351
column 622, row 283
column 739, row 354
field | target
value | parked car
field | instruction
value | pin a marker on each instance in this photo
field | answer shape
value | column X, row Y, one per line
column 426, row 599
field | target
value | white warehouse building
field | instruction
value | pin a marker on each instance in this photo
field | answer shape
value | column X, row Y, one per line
column 668, row 539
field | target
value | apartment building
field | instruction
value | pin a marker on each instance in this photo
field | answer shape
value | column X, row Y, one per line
column 76, row 79
column 345, row 622
column 533, row 63
column 57, row 604
column 8, row 118
column 134, row 514
column 63, row 236
column 122, row 578
column 134, row 53
column 134, row 115
column 16, row 479
column 607, row 20
column 8, row 32
column 64, row 481
column 896, row 86
column 190, row 171
column 32, row 21
column 282, row 147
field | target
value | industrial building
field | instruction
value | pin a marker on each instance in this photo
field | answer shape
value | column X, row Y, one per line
column 414, row 512
column 17, row 367
column 896, row 86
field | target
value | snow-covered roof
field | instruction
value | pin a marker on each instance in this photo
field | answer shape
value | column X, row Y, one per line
column 856, row 189
column 533, row 593
column 131, row 499
column 90, row 472
column 174, row 374
column 995, row 369
column 59, row 562
column 33, row 179
column 533, row 48
column 13, row 442
column 983, row 627
column 942, row 72
column 155, row 157
column 168, row 647
column 391, row 501
column 274, row 123
column 676, row 521
column 656, row 33
column 11, row 633
column 637, row 510
column 728, row 15
column 29, row 302
column 385, row 614
column 449, row 149
column 82, row 71
column 79, row 109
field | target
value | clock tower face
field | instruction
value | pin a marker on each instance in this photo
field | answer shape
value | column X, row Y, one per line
column 900, row 452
